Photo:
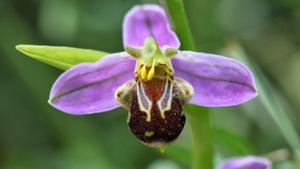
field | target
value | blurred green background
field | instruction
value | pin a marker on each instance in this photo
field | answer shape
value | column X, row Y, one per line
column 262, row 33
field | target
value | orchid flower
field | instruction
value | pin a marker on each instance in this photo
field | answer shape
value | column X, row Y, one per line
column 247, row 162
column 152, row 79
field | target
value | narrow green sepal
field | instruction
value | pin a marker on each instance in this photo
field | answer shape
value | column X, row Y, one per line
column 59, row 56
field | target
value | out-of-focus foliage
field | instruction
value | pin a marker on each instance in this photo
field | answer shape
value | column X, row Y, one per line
column 34, row 135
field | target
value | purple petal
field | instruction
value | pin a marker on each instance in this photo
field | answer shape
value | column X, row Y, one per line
column 89, row 87
column 248, row 162
column 217, row 80
column 143, row 21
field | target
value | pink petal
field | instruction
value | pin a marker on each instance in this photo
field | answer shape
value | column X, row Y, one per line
column 217, row 80
column 89, row 87
column 248, row 162
column 143, row 21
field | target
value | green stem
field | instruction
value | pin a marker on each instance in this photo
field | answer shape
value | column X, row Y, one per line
column 179, row 20
column 201, row 133
column 198, row 117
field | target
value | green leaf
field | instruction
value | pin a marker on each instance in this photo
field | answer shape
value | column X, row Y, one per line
column 236, row 144
column 179, row 153
column 286, row 165
column 60, row 57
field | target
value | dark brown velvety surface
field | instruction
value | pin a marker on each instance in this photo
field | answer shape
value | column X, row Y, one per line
column 158, row 131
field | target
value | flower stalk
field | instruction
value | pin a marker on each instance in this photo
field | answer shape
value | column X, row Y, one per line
column 201, row 136
column 179, row 20
column 198, row 117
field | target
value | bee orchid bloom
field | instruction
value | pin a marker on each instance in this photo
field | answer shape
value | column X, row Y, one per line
column 152, row 79
column 247, row 162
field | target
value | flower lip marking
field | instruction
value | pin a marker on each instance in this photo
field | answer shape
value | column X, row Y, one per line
column 144, row 101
